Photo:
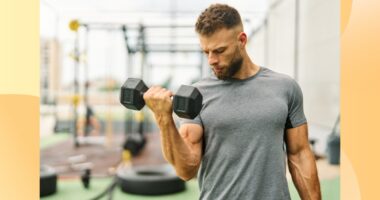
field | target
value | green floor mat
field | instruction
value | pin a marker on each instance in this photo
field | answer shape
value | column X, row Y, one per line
column 330, row 189
column 73, row 190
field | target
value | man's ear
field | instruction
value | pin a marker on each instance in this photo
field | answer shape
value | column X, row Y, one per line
column 242, row 37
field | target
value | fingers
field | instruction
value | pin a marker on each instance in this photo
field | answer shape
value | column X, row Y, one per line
column 157, row 92
column 158, row 100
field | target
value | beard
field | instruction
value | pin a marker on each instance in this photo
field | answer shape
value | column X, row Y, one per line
column 233, row 67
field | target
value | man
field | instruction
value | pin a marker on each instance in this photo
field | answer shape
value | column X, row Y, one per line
column 236, row 143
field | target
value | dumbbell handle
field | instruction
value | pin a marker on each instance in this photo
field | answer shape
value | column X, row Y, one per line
column 187, row 102
column 127, row 96
column 144, row 88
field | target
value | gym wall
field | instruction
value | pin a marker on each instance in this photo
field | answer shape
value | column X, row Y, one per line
column 318, row 70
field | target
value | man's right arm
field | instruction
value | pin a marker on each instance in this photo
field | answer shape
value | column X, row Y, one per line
column 182, row 148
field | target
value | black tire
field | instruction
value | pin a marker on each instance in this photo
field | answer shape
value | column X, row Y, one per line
column 48, row 181
column 150, row 180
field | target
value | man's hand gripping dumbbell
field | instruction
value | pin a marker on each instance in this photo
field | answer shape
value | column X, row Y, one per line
column 186, row 103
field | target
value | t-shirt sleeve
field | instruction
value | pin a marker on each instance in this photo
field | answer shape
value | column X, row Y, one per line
column 296, row 116
column 196, row 120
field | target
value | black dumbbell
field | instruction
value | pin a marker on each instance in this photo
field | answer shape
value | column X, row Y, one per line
column 187, row 102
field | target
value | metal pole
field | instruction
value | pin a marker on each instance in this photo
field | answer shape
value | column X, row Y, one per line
column 129, row 62
column 144, row 55
column 86, row 84
column 129, row 114
column 142, row 50
column 85, row 65
column 76, row 88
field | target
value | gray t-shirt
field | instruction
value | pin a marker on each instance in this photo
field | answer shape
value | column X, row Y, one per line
column 244, row 123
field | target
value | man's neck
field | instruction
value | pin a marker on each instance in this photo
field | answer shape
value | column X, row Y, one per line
column 247, row 70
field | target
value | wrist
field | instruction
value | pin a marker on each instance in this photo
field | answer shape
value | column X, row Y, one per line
column 163, row 118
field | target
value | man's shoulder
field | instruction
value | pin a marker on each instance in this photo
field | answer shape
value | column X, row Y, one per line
column 277, row 76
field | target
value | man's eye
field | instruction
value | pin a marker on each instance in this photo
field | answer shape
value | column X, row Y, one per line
column 219, row 51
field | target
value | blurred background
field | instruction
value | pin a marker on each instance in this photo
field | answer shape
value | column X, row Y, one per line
column 89, row 48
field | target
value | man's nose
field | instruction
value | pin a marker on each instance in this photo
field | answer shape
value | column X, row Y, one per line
column 212, row 59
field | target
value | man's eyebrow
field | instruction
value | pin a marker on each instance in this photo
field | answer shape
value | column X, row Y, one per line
column 220, row 48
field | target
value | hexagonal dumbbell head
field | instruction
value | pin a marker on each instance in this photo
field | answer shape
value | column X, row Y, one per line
column 131, row 94
column 187, row 102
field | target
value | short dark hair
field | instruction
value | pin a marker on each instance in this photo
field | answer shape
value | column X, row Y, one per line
column 215, row 17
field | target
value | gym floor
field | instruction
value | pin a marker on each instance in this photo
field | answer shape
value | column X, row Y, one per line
column 71, row 188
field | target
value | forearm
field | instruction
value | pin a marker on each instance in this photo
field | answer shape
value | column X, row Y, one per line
column 304, row 174
column 175, row 150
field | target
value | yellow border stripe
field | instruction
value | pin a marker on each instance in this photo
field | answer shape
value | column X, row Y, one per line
column 360, row 94
column 19, row 49
column 19, row 147
column 19, row 101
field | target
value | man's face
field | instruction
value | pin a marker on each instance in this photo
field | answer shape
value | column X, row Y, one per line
column 223, row 53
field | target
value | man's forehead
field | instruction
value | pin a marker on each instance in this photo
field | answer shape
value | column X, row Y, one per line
column 220, row 38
